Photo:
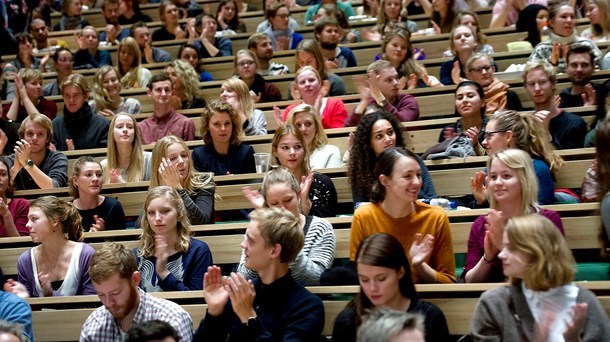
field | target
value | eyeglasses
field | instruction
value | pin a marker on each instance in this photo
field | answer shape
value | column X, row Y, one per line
column 245, row 63
column 490, row 134
column 541, row 83
column 283, row 16
column 487, row 68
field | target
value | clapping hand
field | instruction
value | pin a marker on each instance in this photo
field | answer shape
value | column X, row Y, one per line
column 16, row 288
column 214, row 292
column 169, row 174
column 304, row 188
column 45, row 283
column 115, row 176
column 98, row 224
column 253, row 196
column 161, row 254
column 477, row 185
column 421, row 249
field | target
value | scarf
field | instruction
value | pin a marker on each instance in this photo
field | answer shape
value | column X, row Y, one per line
column 562, row 40
column 70, row 23
column 78, row 120
column 495, row 96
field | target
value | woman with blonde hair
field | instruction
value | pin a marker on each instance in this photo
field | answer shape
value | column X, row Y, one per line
column 541, row 303
column 318, row 194
column 28, row 97
column 223, row 151
column 390, row 17
column 98, row 212
column 510, row 129
column 172, row 166
column 107, row 99
column 463, row 44
column 313, row 90
column 513, row 191
column 308, row 53
column 471, row 19
column 169, row 257
column 186, row 85
column 598, row 12
column 125, row 161
column 131, row 73
column 236, row 93
column 246, row 67
column 323, row 155
column 59, row 264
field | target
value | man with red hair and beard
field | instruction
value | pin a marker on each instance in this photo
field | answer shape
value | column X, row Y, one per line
column 115, row 276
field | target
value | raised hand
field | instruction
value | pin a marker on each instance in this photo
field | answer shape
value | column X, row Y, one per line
column 473, row 134
column 555, row 53
column 421, row 249
column 214, row 292
column 111, row 33
column 256, row 98
column 115, row 176
column 412, row 82
column 589, row 96
column 242, row 293
column 277, row 114
column 494, row 224
column 455, row 73
column 70, row 144
column 374, row 86
column 253, row 196
column 169, row 174
column 361, row 84
column 98, row 224
column 80, row 41
column 22, row 151
column 477, row 185
column 3, row 141
column 575, row 327
column 179, row 32
column 304, row 189
column 545, row 117
column 437, row 29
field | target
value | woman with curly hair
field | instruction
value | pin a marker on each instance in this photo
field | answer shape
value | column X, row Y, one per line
column 131, row 73
column 59, row 264
column 172, row 166
column 126, row 161
column 376, row 132
column 510, row 129
column 169, row 258
column 187, row 94
column 235, row 92
column 107, row 99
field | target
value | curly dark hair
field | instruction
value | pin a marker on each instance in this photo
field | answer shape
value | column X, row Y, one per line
column 362, row 157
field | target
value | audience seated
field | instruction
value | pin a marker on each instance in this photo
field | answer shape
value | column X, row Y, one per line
column 28, row 97
column 582, row 92
column 150, row 331
column 346, row 33
column 376, row 132
column 313, row 9
column 540, row 266
column 148, row 53
column 281, row 35
column 41, row 41
column 169, row 258
column 276, row 305
column 114, row 270
column 381, row 259
column 289, row 149
column 322, row 154
column 532, row 19
column 189, row 53
column 171, row 28
column 567, row 130
column 25, row 53
column 382, row 86
column 188, row 8
column 308, row 54
column 281, row 190
column 59, row 264
column 72, row 17
column 562, row 35
column 480, row 69
column 327, row 35
column 172, row 166
column 223, row 152
column 246, row 69
column 126, row 161
column 443, row 13
column 107, row 100
column 17, row 311
column 165, row 120
column 131, row 72
column 235, row 92
column 64, row 63
column 260, row 44
column 228, row 18
column 98, row 212
column 79, row 128
column 470, row 18
column 113, row 32
column 513, row 191
column 603, row 136
column 186, row 85
column 89, row 56
column 420, row 228
column 462, row 41
column 313, row 90
column 598, row 13
column 34, row 165
column 470, row 106
column 13, row 211
column 523, row 131
column 209, row 44
column 390, row 17
column 506, row 13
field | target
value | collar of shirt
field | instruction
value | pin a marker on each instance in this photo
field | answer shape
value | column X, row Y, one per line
column 163, row 119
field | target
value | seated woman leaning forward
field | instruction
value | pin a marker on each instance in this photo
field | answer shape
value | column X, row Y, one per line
column 385, row 280
column 169, row 258
column 59, row 265
column 422, row 230
column 541, row 303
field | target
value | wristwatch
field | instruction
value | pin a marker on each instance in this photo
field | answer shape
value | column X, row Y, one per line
column 383, row 103
column 29, row 164
column 251, row 321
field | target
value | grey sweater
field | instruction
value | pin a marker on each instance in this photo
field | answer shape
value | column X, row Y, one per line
column 502, row 314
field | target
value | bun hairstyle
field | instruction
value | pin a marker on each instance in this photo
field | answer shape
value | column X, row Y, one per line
column 56, row 209
column 385, row 166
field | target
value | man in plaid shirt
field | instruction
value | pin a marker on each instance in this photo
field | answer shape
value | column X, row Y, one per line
column 113, row 271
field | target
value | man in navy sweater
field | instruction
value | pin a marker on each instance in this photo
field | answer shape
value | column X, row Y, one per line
column 274, row 308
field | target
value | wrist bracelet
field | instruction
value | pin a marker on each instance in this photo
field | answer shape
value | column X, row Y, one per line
column 487, row 261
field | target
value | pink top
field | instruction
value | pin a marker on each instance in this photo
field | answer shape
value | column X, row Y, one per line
column 18, row 207
column 333, row 112
column 513, row 15
column 154, row 128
